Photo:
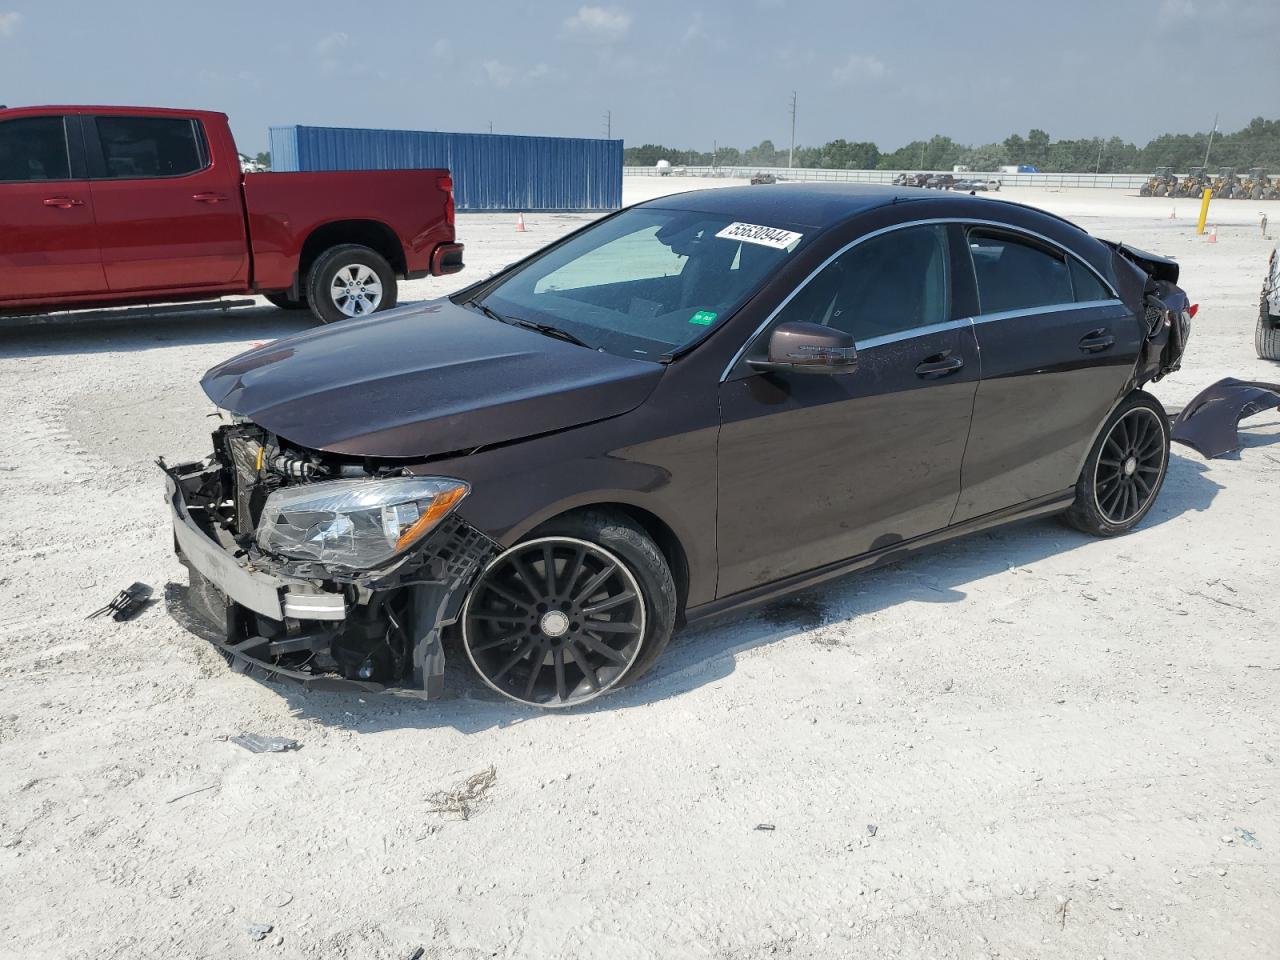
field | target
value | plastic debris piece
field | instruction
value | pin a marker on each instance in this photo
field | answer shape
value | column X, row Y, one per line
column 1248, row 837
column 871, row 829
column 126, row 604
column 257, row 743
column 259, row 931
column 765, row 826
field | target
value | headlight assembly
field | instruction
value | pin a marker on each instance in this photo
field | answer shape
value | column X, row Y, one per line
column 355, row 524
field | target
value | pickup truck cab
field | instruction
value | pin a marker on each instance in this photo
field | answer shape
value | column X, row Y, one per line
column 109, row 206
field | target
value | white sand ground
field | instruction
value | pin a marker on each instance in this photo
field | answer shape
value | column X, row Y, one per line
column 1061, row 742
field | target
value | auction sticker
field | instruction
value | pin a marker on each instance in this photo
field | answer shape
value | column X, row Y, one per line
column 755, row 233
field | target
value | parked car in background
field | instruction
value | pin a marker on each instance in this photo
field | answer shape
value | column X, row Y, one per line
column 106, row 206
column 688, row 407
column 940, row 181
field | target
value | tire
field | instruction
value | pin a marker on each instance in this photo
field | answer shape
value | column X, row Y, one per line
column 286, row 302
column 1125, row 469
column 1266, row 338
column 362, row 266
column 527, row 636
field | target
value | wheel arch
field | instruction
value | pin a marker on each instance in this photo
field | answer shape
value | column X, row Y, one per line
column 661, row 532
column 374, row 234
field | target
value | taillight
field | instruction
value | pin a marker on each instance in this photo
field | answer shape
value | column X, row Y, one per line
column 1191, row 310
column 445, row 185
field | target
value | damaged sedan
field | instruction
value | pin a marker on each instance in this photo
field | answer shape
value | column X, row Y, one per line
column 689, row 407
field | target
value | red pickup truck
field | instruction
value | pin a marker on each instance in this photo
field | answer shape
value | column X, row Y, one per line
column 106, row 206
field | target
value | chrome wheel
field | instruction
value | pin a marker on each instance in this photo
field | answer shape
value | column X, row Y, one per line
column 554, row 622
column 356, row 290
column 1130, row 466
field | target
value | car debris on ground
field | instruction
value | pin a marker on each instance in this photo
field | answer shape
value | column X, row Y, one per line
column 257, row 743
column 126, row 604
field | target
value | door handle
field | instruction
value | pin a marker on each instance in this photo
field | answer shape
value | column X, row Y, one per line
column 939, row 365
column 208, row 197
column 1096, row 341
column 63, row 202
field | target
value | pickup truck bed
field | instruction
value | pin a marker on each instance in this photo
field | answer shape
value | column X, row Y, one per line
column 104, row 206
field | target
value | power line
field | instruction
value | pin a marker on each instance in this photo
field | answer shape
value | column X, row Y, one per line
column 791, row 154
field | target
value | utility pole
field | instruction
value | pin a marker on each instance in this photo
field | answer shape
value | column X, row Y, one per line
column 491, row 126
column 1098, row 168
column 923, row 145
column 608, row 124
column 1209, row 145
column 791, row 154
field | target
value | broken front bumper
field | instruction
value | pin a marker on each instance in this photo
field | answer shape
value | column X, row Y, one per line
column 283, row 627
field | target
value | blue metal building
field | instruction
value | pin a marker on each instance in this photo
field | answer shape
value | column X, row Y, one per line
column 490, row 171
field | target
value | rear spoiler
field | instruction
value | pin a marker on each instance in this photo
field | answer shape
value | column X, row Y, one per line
column 1154, row 266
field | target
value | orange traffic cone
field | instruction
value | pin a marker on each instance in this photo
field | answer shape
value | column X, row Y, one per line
column 520, row 223
column 1213, row 234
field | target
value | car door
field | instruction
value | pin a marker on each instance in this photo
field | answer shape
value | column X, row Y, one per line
column 168, row 215
column 1058, row 348
column 48, row 243
column 815, row 469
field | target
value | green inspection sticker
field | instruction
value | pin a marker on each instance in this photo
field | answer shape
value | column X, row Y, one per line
column 703, row 318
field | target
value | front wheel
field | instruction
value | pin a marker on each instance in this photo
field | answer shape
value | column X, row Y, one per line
column 1125, row 469
column 584, row 605
column 350, row 281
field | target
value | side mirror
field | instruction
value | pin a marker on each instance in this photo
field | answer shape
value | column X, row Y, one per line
column 808, row 348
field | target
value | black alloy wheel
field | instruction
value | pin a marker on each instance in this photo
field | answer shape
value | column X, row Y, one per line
column 554, row 622
column 1130, row 466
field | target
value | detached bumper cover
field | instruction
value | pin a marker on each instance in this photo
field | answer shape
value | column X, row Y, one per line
column 1208, row 423
column 228, row 594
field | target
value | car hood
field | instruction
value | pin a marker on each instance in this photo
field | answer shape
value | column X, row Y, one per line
column 423, row 380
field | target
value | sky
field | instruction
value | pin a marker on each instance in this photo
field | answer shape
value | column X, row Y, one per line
column 685, row 74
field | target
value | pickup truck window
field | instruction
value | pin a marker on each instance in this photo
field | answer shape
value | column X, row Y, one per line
column 34, row 148
column 141, row 147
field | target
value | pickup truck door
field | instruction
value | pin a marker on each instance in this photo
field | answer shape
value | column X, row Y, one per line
column 168, row 210
column 48, row 245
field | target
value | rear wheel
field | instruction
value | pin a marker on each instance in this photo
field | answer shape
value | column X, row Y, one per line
column 584, row 605
column 1125, row 469
column 348, row 282
column 1267, row 336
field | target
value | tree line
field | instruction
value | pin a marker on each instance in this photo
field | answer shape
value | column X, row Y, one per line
column 1256, row 145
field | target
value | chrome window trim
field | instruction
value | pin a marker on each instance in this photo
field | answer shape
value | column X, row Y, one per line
column 1050, row 308
column 913, row 332
column 904, row 334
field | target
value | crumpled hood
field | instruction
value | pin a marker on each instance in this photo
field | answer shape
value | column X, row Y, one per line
column 426, row 379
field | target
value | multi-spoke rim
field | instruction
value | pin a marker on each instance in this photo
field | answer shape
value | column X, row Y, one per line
column 1130, row 466
column 356, row 290
column 554, row 622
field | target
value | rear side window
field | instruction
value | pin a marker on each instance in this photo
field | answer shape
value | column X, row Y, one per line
column 34, row 148
column 134, row 147
column 1014, row 274
column 1086, row 284
column 895, row 282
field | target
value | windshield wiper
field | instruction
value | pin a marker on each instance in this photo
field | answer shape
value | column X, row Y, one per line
column 544, row 328
column 550, row 331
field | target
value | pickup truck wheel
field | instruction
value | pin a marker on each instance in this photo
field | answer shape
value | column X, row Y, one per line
column 1267, row 335
column 286, row 302
column 350, row 281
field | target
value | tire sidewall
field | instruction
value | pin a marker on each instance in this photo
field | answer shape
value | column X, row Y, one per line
column 329, row 263
column 1084, row 513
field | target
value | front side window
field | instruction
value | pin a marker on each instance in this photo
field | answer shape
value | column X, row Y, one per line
column 645, row 282
column 134, row 147
column 1015, row 274
column 888, row 284
column 34, row 148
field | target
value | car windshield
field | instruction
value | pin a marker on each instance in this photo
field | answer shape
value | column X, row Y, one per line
column 646, row 282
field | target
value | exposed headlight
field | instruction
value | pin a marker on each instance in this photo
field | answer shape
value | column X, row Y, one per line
column 355, row 524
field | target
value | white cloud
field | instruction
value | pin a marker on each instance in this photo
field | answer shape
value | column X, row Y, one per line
column 442, row 48
column 598, row 24
column 332, row 43
column 696, row 30
column 1177, row 10
column 499, row 73
column 9, row 23
column 539, row 71
column 858, row 68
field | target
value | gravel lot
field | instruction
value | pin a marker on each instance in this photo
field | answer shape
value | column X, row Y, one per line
column 1026, row 744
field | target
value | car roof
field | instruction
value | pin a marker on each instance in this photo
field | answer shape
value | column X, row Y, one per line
column 804, row 204
column 823, row 205
column 63, row 108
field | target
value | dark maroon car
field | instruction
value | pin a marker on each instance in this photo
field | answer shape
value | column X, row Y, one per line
column 688, row 407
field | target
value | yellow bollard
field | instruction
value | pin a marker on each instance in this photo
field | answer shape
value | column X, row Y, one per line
column 1204, row 211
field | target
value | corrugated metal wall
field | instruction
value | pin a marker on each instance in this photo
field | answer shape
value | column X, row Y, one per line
column 490, row 171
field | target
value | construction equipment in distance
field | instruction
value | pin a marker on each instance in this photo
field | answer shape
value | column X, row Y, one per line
column 1226, row 185
column 1162, row 183
column 1258, row 186
column 1194, row 183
